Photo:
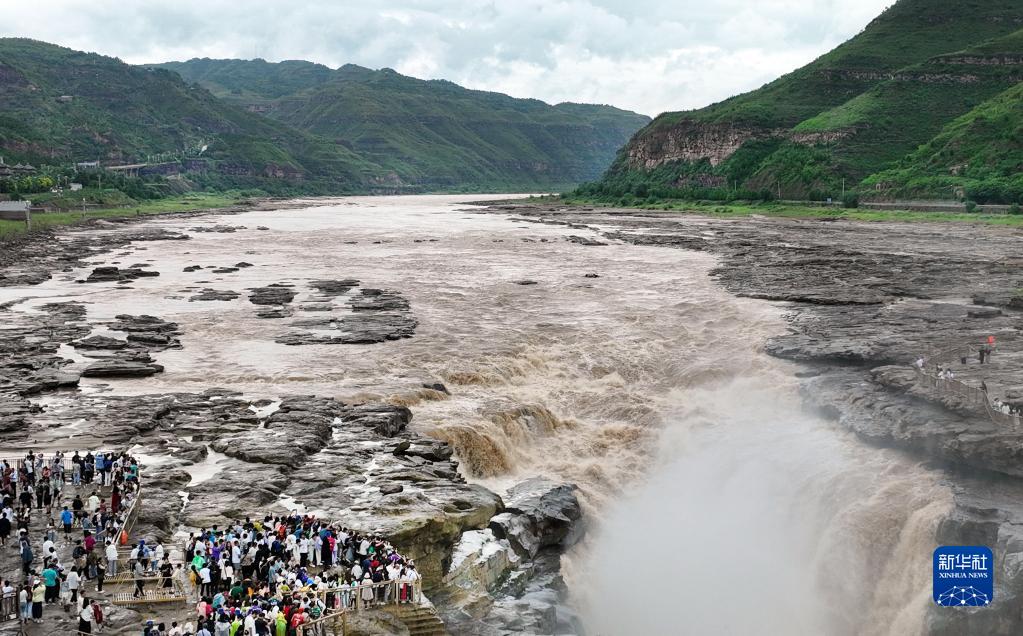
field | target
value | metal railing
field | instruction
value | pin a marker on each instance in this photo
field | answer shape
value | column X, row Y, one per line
column 350, row 599
column 969, row 394
column 132, row 515
column 67, row 463
column 9, row 609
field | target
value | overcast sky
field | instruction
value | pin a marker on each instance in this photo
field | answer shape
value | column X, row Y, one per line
column 645, row 55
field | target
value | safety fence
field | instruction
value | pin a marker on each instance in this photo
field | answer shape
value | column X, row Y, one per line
column 342, row 601
column 969, row 394
column 67, row 461
column 8, row 608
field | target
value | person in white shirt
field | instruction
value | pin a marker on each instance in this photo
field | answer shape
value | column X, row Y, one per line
column 85, row 618
column 226, row 572
column 158, row 555
column 73, row 581
column 317, row 549
column 93, row 502
column 205, row 579
column 110, row 552
column 25, row 602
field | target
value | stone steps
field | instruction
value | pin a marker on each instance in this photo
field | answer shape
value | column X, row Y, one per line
column 421, row 620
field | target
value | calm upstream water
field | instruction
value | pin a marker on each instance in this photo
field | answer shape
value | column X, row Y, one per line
column 717, row 505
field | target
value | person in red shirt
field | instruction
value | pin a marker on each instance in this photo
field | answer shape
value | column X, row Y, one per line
column 297, row 618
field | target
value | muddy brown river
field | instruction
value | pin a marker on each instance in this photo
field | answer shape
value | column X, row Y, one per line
column 714, row 501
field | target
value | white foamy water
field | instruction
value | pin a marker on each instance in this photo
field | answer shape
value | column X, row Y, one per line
column 718, row 506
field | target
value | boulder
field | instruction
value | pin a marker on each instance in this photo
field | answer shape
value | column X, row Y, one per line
column 275, row 294
column 539, row 513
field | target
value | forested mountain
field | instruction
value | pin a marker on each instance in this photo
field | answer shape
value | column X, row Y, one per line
column 850, row 117
column 60, row 106
column 432, row 132
column 297, row 126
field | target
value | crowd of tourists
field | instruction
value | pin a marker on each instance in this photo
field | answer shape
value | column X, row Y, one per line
column 262, row 577
column 67, row 532
column 947, row 374
column 268, row 577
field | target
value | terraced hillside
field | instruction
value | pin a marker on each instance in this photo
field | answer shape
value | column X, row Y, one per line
column 854, row 112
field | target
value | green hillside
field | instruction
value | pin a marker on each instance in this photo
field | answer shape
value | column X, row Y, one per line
column 59, row 106
column 855, row 111
column 979, row 155
column 433, row 133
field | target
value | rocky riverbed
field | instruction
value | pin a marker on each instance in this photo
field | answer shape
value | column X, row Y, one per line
column 213, row 456
column 863, row 301
column 475, row 384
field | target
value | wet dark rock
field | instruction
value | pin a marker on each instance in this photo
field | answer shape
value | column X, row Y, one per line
column 437, row 386
column 591, row 275
column 315, row 307
column 538, row 514
column 377, row 316
column 525, row 282
column 118, row 368
column 582, row 240
column 386, row 420
column 243, row 265
column 431, row 451
column 110, row 273
column 277, row 312
column 391, row 489
column 150, row 331
column 262, row 227
column 193, row 268
column 217, row 229
column 275, row 294
column 99, row 342
column 984, row 313
column 143, row 323
column 334, row 287
column 224, row 270
column 214, row 295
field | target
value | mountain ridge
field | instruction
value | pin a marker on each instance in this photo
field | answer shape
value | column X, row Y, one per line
column 430, row 132
column 347, row 130
column 851, row 113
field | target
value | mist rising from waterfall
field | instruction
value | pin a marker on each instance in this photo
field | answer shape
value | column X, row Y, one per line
column 760, row 518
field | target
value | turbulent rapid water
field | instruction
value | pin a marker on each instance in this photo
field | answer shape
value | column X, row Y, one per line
column 718, row 506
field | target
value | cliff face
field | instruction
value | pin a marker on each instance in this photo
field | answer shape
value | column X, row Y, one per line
column 849, row 114
column 695, row 141
column 690, row 141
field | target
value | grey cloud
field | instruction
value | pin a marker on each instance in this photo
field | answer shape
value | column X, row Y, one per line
column 646, row 55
